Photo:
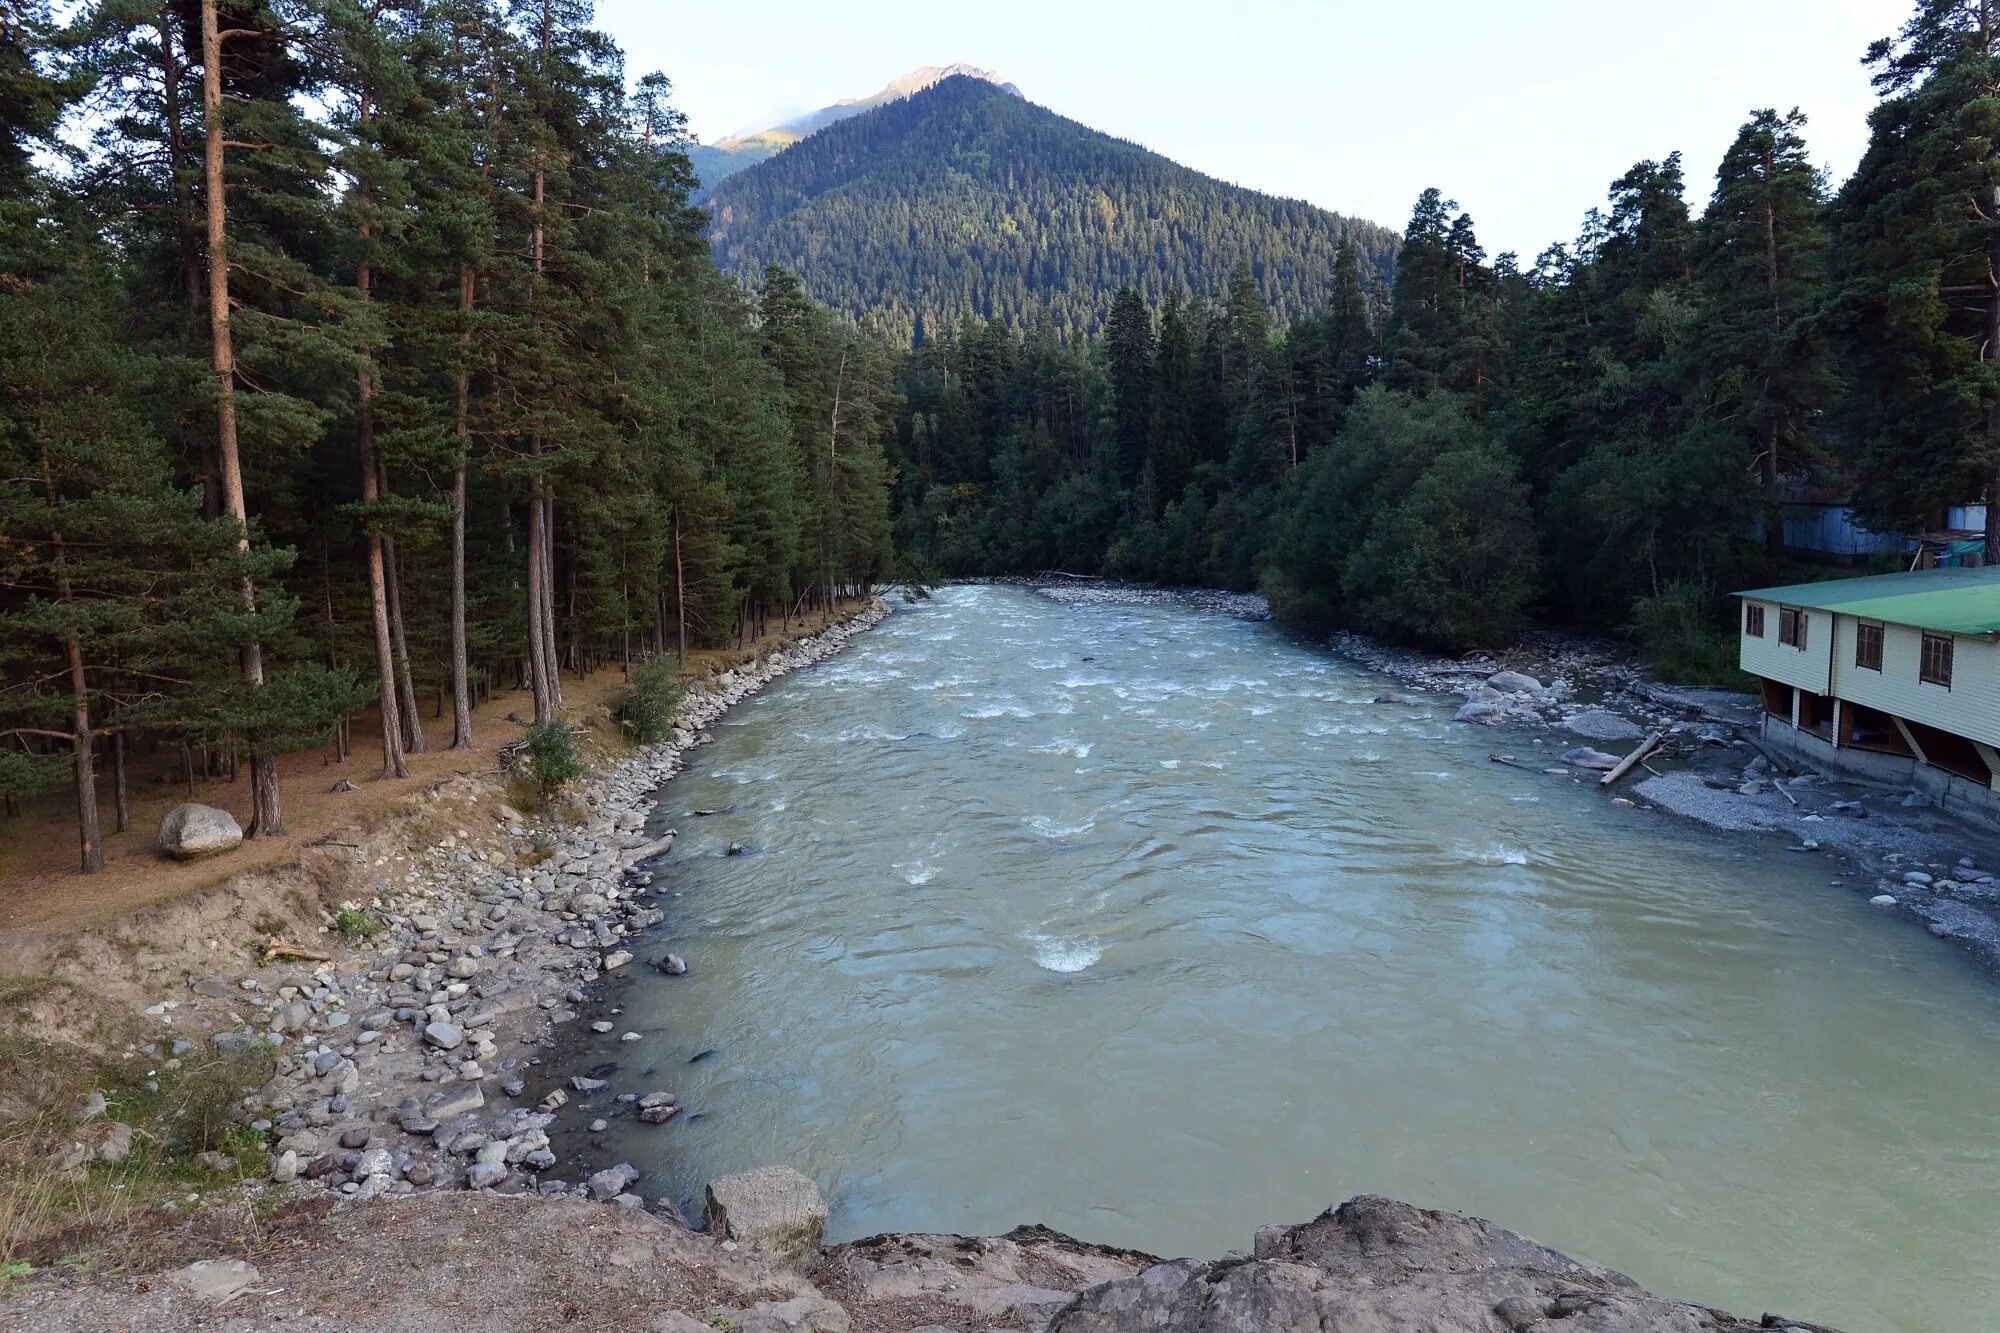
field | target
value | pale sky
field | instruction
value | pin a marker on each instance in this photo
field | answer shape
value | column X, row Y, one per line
column 1524, row 111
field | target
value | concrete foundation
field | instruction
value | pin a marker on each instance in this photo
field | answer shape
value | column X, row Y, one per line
column 1953, row 794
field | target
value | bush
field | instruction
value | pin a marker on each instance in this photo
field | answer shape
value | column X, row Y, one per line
column 553, row 756
column 655, row 699
column 1689, row 643
column 356, row 924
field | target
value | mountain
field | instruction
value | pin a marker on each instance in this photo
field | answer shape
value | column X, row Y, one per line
column 964, row 198
column 716, row 162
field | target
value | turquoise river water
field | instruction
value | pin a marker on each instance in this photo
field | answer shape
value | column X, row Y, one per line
column 1146, row 923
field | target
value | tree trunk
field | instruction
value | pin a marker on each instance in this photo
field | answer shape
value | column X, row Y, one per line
column 1774, row 513
column 538, row 667
column 84, row 744
column 1992, row 553
column 461, row 672
column 680, row 596
column 267, row 817
column 406, row 693
column 378, row 588
column 121, row 795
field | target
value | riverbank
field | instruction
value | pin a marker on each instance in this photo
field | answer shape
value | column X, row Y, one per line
column 446, row 1262
column 1561, row 697
column 372, row 1008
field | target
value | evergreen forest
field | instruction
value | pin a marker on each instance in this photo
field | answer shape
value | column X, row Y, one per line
column 360, row 361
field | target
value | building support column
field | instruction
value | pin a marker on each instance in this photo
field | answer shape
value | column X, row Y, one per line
column 1992, row 761
column 1910, row 739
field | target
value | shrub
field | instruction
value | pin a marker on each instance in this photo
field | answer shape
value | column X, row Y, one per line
column 656, row 698
column 1678, row 628
column 553, row 756
column 356, row 924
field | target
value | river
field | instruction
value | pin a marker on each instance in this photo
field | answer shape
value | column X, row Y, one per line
column 1146, row 923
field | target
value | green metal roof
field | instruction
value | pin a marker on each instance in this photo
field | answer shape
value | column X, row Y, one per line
column 1950, row 601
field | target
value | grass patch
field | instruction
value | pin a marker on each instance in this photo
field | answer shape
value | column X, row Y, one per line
column 67, row 1203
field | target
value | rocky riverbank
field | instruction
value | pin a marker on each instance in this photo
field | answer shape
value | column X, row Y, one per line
column 403, row 1054
column 447, row 1262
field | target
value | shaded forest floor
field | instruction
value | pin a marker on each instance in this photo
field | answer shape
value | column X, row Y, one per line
column 45, row 894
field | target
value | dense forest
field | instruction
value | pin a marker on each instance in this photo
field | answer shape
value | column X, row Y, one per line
column 359, row 355
column 968, row 199
column 358, row 358
column 1597, row 437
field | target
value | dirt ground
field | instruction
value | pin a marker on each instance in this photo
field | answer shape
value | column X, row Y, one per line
column 44, row 893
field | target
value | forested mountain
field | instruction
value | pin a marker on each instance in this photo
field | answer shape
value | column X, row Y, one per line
column 716, row 162
column 1595, row 438
column 364, row 356
column 966, row 199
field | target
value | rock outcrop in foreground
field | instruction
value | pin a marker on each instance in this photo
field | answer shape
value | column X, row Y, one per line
column 439, row 1262
column 1374, row 1265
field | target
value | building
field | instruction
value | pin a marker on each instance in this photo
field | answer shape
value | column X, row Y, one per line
column 1893, row 679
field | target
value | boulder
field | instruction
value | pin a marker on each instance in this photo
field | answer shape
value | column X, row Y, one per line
column 1601, row 724
column 193, row 830
column 770, row 1208
column 1585, row 757
column 609, row 1183
column 1514, row 682
column 1374, row 1265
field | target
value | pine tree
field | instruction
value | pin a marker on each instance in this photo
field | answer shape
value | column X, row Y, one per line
column 1760, row 264
column 1128, row 349
column 1916, row 272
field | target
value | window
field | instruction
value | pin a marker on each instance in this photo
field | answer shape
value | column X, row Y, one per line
column 1936, row 667
column 1868, row 646
column 1753, row 620
column 1791, row 627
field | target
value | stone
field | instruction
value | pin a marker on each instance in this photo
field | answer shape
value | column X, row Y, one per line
column 1585, row 757
column 462, row 968
column 1883, row 900
column 658, row 1115
column 770, row 1208
column 1514, row 682
column 218, row 1279
column 193, row 830
column 485, row 1175
column 285, row 1167
column 617, row 958
column 612, row 1181
column 801, row 1314
column 374, row 1162
column 673, row 965
column 1601, row 724
column 444, row 1036
column 1917, row 877
column 451, row 1102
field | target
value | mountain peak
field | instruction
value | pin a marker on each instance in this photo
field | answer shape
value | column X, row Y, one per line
column 906, row 86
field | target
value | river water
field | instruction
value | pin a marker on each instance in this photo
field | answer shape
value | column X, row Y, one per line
column 1146, row 923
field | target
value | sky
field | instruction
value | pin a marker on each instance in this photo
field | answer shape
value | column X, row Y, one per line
column 1522, row 110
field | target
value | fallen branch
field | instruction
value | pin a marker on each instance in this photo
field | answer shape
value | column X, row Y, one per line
column 275, row 949
column 1626, row 764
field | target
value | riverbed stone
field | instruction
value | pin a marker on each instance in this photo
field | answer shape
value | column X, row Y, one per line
column 1514, row 682
column 771, row 1208
column 609, row 1183
column 1585, row 757
column 193, row 830
column 1601, row 724
column 444, row 1036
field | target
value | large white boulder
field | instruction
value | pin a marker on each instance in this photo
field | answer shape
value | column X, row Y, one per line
column 193, row 830
column 771, row 1208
